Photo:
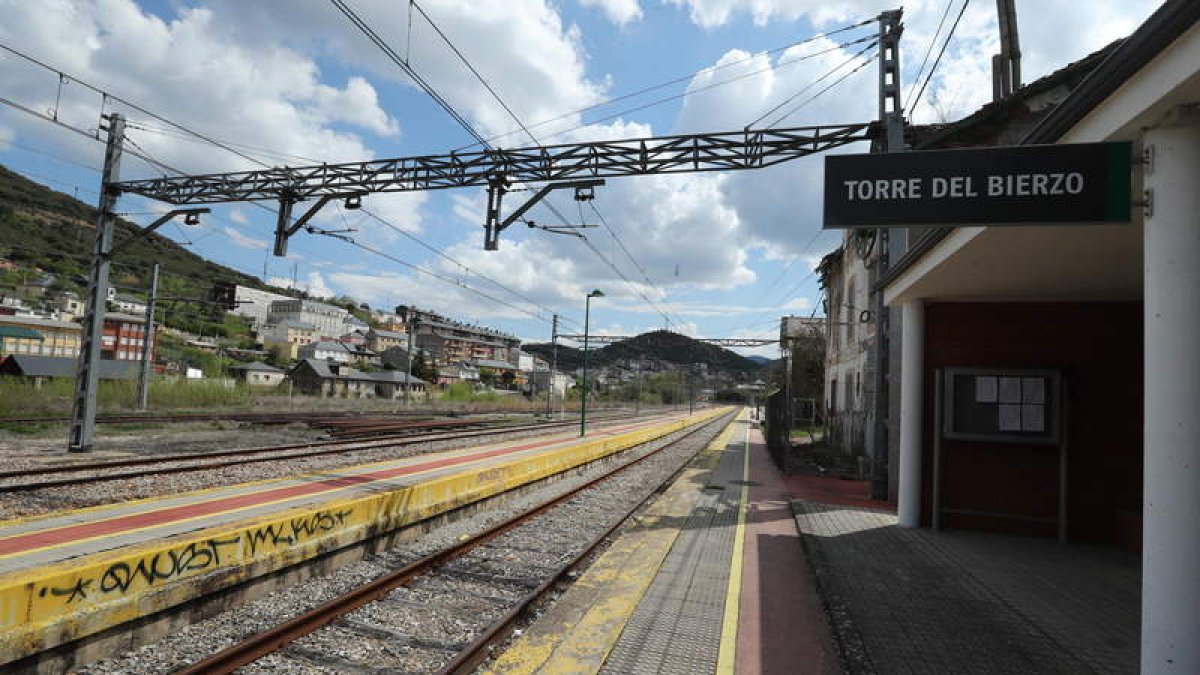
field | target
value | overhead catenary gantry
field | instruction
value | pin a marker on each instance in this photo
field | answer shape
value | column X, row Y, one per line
column 581, row 166
column 497, row 169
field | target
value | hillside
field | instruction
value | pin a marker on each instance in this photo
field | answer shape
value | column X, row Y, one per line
column 661, row 346
column 42, row 228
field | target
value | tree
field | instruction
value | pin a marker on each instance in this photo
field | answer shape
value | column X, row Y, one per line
column 422, row 370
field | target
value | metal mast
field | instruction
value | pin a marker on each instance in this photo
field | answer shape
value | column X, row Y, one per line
column 87, row 377
column 891, row 115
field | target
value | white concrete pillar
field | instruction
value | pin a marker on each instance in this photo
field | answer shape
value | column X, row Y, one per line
column 912, row 368
column 1171, row 436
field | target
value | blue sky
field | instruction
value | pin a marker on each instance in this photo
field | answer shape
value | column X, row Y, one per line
column 288, row 82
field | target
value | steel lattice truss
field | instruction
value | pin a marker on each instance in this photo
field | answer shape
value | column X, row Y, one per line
column 724, row 342
column 728, row 151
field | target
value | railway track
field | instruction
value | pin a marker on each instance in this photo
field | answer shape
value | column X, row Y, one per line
column 446, row 611
column 320, row 418
column 98, row 472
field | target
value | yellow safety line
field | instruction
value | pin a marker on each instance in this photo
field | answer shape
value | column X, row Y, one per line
column 324, row 474
column 727, row 657
column 299, row 500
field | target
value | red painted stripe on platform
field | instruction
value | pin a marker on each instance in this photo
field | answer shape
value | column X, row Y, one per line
column 69, row 533
column 782, row 626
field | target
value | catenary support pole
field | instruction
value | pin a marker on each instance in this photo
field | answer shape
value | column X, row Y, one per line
column 408, row 360
column 891, row 116
column 1171, row 432
column 87, row 375
column 912, row 369
column 148, row 343
column 587, row 307
column 553, row 367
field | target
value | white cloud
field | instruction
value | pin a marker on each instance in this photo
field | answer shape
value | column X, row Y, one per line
column 238, row 217
column 244, row 241
column 619, row 12
column 263, row 93
column 315, row 285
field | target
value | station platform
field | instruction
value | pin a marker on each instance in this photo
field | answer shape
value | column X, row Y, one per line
column 739, row 569
column 71, row 574
column 711, row 579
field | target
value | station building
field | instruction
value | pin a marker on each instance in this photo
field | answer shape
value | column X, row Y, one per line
column 1089, row 333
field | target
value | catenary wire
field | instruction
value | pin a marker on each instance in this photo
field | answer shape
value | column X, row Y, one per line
column 929, row 49
column 938, row 60
column 676, row 80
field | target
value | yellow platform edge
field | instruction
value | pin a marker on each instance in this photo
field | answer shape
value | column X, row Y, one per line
column 579, row 632
column 58, row 603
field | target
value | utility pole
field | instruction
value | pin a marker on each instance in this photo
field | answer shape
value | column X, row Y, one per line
column 408, row 358
column 147, row 343
column 587, row 307
column 637, row 404
column 691, row 388
column 891, row 115
column 1006, row 66
column 553, row 367
column 87, row 375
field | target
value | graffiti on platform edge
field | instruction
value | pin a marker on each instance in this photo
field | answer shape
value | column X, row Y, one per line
column 120, row 576
column 296, row 530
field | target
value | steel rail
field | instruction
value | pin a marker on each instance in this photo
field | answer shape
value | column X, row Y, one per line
column 260, row 644
column 202, row 417
column 397, row 441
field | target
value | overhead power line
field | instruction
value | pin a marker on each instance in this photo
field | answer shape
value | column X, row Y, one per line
column 402, row 64
column 810, row 85
column 677, row 80
column 549, row 204
column 929, row 49
column 938, row 60
column 692, row 92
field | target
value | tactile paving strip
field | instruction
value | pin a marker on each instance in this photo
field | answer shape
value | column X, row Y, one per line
column 677, row 625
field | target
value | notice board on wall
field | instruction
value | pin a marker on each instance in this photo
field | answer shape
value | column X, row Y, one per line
column 1005, row 405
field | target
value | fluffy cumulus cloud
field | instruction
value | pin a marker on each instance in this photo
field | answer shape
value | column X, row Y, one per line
column 314, row 285
column 963, row 80
column 523, row 48
column 619, row 12
column 270, row 99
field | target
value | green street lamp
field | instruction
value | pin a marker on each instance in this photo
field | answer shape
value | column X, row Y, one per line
column 587, row 307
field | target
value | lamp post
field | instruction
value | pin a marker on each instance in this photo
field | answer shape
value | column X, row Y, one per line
column 587, row 307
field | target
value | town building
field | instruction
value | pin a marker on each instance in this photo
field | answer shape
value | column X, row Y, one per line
column 255, row 304
column 379, row 340
column 69, row 305
column 458, row 372
column 124, row 338
column 451, row 341
column 1066, row 356
column 336, row 350
column 38, row 337
column 129, row 304
column 329, row 379
column 257, row 374
column 287, row 336
column 329, row 321
column 849, row 365
column 39, row 369
column 326, row 350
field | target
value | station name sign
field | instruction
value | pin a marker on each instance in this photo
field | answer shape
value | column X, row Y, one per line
column 1032, row 184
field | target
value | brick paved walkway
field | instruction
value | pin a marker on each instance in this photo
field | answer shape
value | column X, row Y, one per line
column 918, row 601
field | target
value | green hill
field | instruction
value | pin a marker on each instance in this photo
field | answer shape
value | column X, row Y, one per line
column 661, row 346
column 42, row 228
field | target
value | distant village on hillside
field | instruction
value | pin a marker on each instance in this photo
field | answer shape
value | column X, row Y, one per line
column 315, row 348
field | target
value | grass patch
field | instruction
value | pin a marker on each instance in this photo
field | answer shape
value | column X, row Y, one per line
column 20, row 398
column 461, row 392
